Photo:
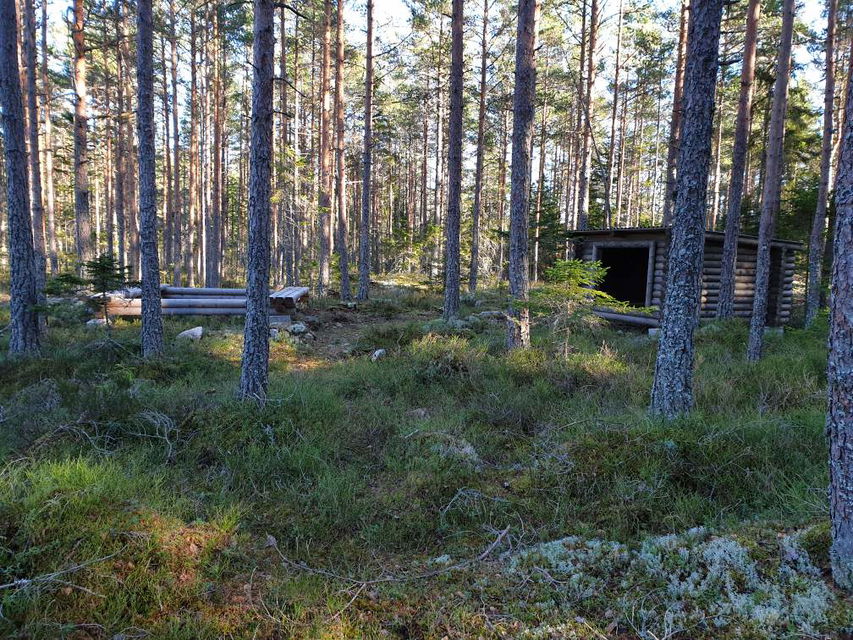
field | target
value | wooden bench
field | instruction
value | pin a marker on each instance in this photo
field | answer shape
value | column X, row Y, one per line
column 288, row 298
column 203, row 301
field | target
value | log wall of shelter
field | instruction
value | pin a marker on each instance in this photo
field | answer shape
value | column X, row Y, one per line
column 781, row 279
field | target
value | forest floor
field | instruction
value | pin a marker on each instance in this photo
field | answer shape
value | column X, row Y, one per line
column 447, row 490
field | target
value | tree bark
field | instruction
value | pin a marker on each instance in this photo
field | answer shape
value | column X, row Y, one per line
column 675, row 123
column 611, row 152
column 343, row 223
column 770, row 200
column 35, row 163
column 48, row 148
column 367, row 166
column 518, row 314
column 152, row 320
column 725, row 306
column 816, row 238
column 24, row 329
column 83, row 228
column 586, row 100
column 672, row 392
column 478, row 171
column 177, row 205
column 325, row 200
column 255, row 366
column 454, row 166
column 839, row 416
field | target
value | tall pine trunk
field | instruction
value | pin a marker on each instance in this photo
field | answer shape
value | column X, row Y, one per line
column 677, row 107
column 341, row 188
column 49, row 198
column 518, row 314
column 839, row 416
column 367, row 166
column 586, row 100
column 83, row 222
column 481, row 152
column 254, row 374
column 325, row 201
column 152, row 320
column 725, row 307
column 24, row 330
column 36, row 204
column 454, row 167
column 771, row 196
column 816, row 238
column 672, row 392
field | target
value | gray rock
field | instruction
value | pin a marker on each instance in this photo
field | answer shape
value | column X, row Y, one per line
column 310, row 319
column 378, row 354
column 491, row 315
column 191, row 334
column 96, row 322
column 297, row 329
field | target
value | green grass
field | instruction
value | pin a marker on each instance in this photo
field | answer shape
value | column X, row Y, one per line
column 158, row 492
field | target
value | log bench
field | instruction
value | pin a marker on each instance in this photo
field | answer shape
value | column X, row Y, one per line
column 205, row 301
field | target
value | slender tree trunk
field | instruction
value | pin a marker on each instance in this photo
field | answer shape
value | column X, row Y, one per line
column 24, row 329
column 48, row 148
column 35, row 163
column 191, row 249
column 675, row 123
column 121, row 143
column 343, row 223
column 255, row 367
column 672, row 393
column 839, row 416
column 295, row 228
column 540, row 178
column 454, row 167
column 481, row 152
column 725, row 307
column 772, row 185
column 177, row 205
column 152, row 321
column 367, row 166
column 325, row 201
column 586, row 148
column 83, row 229
column 611, row 152
column 518, row 314
column 816, row 238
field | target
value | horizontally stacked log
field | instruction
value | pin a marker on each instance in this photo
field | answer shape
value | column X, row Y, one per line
column 201, row 301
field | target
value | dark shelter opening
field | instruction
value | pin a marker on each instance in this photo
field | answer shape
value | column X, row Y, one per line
column 627, row 273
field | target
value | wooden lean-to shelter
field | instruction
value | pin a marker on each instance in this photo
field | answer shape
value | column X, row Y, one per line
column 636, row 261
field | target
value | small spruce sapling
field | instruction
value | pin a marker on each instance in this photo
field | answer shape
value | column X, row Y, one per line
column 105, row 274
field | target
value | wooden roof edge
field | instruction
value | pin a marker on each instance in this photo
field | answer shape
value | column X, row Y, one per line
column 743, row 237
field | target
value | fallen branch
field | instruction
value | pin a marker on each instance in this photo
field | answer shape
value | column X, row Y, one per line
column 385, row 579
column 48, row 578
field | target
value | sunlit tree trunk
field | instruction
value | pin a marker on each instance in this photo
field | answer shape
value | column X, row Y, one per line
column 24, row 329
column 255, row 365
column 343, row 223
column 816, row 238
column 454, row 167
column 839, row 416
column 675, row 123
column 83, row 229
column 770, row 201
column 367, row 166
column 672, row 392
column 725, row 307
column 325, row 201
column 518, row 314
column 478, row 171
column 152, row 321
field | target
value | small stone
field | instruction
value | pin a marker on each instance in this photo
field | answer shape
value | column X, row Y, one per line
column 274, row 333
column 491, row 315
column 419, row 413
column 379, row 353
column 654, row 331
column 96, row 322
column 191, row 334
column 310, row 319
column 297, row 329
